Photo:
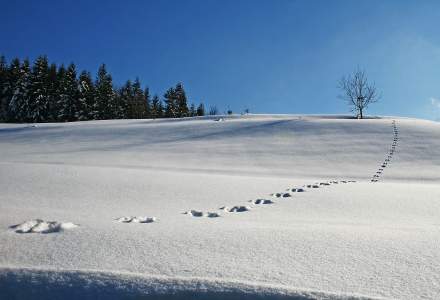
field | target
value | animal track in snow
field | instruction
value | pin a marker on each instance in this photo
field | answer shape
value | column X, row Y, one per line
column 312, row 186
column 261, row 201
column 387, row 160
column 236, row 209
column 197, row 213
column 41, row 226
column 136, row 219
column 296, row 190
column 281, row 195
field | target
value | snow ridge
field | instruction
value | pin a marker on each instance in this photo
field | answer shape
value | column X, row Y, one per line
column 89, row 284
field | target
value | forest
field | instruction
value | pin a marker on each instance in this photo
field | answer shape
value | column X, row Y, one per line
column 45, row 92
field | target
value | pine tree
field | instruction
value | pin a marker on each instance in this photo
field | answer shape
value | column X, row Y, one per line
column 39, row 91
column 126, row 101
column 139, row 104
column 19, row 107
column 52, row 93
column 4, row 101
column 147, row 103
column 105, row 95
column 68, row 100
column 171, row 108
column 160, row 109
column 13, row 74
column 60, row 88
column 156, row 108
column 192, row 110
column 201, row 110
column 86, row 101
column 181, row 101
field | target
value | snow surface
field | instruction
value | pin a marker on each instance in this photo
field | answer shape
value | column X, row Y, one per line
column 329, row 238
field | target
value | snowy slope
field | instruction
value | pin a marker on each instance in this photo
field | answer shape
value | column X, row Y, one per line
column 357, row 239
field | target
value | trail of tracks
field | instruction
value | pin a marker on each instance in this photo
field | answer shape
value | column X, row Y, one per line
column 376, row 177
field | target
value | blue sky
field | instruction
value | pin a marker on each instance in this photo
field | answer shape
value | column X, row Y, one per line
column 272, row 56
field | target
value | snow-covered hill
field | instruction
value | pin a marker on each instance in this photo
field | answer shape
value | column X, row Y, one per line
column 321, row 235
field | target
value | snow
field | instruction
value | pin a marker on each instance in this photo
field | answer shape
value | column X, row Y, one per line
column 41, row 226
column 337, row 235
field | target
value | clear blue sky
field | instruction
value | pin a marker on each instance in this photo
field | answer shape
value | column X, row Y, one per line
column 273, row 56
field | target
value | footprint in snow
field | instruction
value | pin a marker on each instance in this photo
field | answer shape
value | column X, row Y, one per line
column 41, row 226
column 261, row 201
column 197, row 213
column 296, row 190
column 312, row 186
column 136, row 219
column 236, row 209
column 281, row 195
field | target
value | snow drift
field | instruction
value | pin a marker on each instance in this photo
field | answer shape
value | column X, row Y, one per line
column 334, row 234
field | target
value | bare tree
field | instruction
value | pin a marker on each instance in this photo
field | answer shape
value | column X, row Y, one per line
column 358, row 92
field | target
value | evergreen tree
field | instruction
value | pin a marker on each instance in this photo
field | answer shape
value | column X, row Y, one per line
column 126, row 99
column 147, row 103
column 52, row 93
column 60, row 88
column 86, row 102
column 201, row 110
column 181, row 101
column 39, row 91
column 139, row 104
column 192, row 110
column 68, row 99
column 171, row 108
column 156, row 108
column 105, row 95
column 13, row 74
column 4, row 101
column 19, row 108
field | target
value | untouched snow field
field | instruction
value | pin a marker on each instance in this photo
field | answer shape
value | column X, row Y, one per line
column 253, row 207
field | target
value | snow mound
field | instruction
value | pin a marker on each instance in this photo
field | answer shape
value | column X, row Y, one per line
column 41, row 226
column 136, row 219
column 197, row 213
column 75, row 284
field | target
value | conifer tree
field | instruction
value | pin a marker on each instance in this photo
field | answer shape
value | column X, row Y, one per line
column 181, row 101
column 171, row 108
column 201, row 110
column 156, row 107
column 13, row 74
column 192, row 110
column 139, row 105
column 105, row 95
column 68, row 100
column 147, row 103
column 39, row 99
column 52, row 93
column 86, row 101
column 161, row 109
column 126, row 101
column 4, row 101
column 60, row 88
column 19, row 108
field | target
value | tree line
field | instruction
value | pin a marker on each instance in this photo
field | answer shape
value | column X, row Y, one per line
column 46, row 92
